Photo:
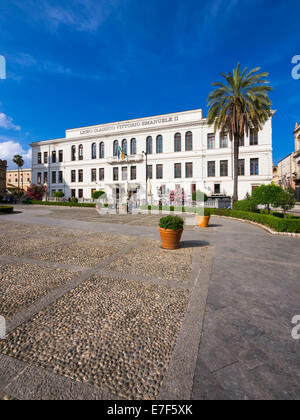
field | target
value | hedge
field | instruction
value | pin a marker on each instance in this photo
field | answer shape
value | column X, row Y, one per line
column 276, row 223
column 6, row 209
column 63, row 204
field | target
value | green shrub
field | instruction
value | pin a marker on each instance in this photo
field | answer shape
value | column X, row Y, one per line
column 58, row 194
column 6, row 209
column 27, row 200
column 97, row 194
column 171, row 222
column 105, row 206
column 63, row 204
column 245, row 205
column 199, row 196
column 74, row 200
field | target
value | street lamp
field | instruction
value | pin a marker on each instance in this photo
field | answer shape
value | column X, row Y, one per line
column 146, row 155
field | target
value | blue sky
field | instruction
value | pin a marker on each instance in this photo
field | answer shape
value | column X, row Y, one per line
column 72, row 63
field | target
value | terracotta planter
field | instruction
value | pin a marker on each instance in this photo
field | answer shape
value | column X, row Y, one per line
column 170, row 239
column 203, row 221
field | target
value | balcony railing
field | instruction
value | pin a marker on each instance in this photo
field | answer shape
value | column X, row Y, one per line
column 128, row 159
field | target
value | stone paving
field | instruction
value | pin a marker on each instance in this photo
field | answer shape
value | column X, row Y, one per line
column 109, row 325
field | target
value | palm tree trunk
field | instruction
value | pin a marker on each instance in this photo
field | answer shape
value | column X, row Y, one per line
column 236, row 148
column 18, row 182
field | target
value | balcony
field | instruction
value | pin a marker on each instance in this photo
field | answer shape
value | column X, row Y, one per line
column 127, row 160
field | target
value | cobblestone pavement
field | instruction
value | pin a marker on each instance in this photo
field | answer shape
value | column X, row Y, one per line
column 215, row 325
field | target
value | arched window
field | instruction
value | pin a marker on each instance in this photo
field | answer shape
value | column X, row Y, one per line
column 73, row 153
column 133, row 147
column 149, row 145
column 124, row 147
column 189, row 141
column 159, row 144
column 101, row 150
column 116, row 148
column 177, row 142
column 80, row 152
column 94, row 151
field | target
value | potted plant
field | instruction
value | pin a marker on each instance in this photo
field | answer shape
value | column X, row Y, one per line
column 203, row 220
column 171, row 228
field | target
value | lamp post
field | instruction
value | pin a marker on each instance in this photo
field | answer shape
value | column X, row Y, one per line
column 146, row 155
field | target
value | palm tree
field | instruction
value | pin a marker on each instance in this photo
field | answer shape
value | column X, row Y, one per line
column 238, row 106
column 18, row 160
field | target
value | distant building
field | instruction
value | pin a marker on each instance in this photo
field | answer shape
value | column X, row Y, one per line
column 275, row 175
column 173, row 150
column 3, row 166
column 12, row 179
column 297, row 161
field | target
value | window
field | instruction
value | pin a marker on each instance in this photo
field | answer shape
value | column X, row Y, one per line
column 149, row 172
column 177, row 170
column 124, row 173
column 39, row 178
column 60, row 177
column 45, row 157
column 253, row 137
column 45, row 177
column 189, row 170
column 61, row 156
column 211, row 141
column 217, row 189
column 133, row 147
column 80, row 175
column 54, row 156
column 159, row 144
column 159, row 172
column 124, row 147
column 73, row 193
column 211, row 169
column 177, row 142
column 94, row 175
column 223, row 141
column 39, row 158
column 80, row 193
column 73, row 153
column 53, row 177
column 116, row 148
column 241, row 167
column 80, row 152
column 101, row 150
column 254, row 167
column 116, row 174
column 189, row 141
column 224, row 168
column 133, row 173
column 73, row 176
column 101, row 174
column 242, row 141
column 94, row 151
column 149, row 145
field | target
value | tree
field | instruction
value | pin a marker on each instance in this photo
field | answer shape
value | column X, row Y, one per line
column 18, row 160
column 199, row 196
column 238, row 106
column 285, row 200
column 267, row 195
column 97, row 194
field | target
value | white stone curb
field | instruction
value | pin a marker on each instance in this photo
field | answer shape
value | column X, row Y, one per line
column 273, row 232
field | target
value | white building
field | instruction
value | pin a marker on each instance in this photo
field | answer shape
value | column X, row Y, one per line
column 181, row 148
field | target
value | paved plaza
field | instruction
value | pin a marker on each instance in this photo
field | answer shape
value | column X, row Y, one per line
column 96, row 309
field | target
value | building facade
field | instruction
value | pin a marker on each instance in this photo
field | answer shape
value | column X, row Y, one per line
column 12, row 179
column 3, row 166
column 297, row 161
column 172, row 150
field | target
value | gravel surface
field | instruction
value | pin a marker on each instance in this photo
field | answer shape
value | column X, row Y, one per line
column 108, row 333
column 19, row 248
column 83, row 254
column 23, row 284
column 150, row 260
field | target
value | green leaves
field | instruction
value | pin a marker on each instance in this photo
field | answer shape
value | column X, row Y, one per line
column 171, row 222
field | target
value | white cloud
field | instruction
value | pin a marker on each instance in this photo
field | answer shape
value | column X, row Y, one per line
column 8, row 149
column 7, row 123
